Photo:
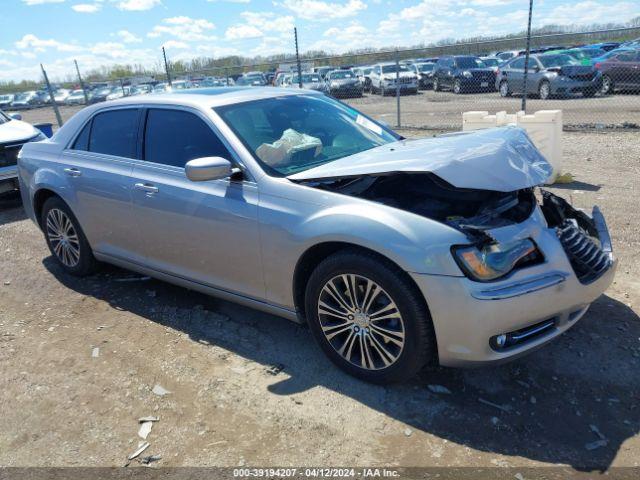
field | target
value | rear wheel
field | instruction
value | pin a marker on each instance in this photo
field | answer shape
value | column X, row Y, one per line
column 607, row 85
column 544, row 90
column 368, row 318
column 65, row 238
column 504, row 89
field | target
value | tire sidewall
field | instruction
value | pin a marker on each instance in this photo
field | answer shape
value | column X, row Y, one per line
column 540, row 90
column 504, row 92
column 414, row 351
column 87, row 262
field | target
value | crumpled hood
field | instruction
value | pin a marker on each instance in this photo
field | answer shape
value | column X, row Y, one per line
column 16, row 131
column 500, row 159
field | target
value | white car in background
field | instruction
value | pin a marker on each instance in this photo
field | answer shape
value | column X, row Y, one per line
column 14, row 133
column 384, row 75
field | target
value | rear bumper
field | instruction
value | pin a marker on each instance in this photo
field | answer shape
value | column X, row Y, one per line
column 560, row 87
column 468, row 314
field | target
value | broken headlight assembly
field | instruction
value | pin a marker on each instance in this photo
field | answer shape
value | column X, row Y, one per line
column 484, row 263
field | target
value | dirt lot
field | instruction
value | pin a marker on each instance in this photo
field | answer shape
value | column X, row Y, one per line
column 230, row 405
column 441, row 110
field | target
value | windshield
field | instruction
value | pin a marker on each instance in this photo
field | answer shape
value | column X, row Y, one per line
column 341, row 74
column 392, row 68
column 294, row 133
column 23, row 96
column 592, row 52
column 561, row 60
column 469, row 62
column 425, row 67
column 491, row 62
column 307, row 78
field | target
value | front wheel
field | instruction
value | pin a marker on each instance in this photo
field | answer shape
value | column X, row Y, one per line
column 368, row 318
column 504, row 89
column 65, row 238
column 607, row 85
column 544, row 90
column 457, row 87
column 436, row 85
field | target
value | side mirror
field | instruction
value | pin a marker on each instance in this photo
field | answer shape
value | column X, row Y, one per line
column 16, row 116
column 208, row 168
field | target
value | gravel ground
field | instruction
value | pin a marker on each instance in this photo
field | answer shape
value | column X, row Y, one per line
column 251, row 389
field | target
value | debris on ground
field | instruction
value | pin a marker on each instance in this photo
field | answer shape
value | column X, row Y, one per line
column 564, row 178
column 439, row 389
column 95, row 352
column 504, row 408
column 150, row 459
column 149, row 418
column 141, row 448
column 160, row 390
column 275, row 369
column 145, row 430
column 408, row 432
column 7, row 282
column 132, row 279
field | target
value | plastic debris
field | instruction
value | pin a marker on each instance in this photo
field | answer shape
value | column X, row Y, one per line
column 141, row 448
column 564, row 178
column 439, row 389
column 150, row 459
column 275, row 369
column 95, row 352
column 160, row 390
column 408, row 432
column 149, row 418
column 145, row 430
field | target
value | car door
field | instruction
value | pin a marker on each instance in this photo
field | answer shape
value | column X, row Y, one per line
column 206, row 232
column 626, row 69
column 376, row 76
column 98, row 164
column 516, row 75
column 534, row 75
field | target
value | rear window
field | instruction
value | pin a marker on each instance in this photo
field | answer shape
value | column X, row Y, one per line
column 114, row 133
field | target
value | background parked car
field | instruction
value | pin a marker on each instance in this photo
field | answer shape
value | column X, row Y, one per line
column 383, row 78
column 142, row 89
column 119, row 92
column 75, row 98
column 424, row 71
column 463, row 73
column 363, row 74
column 310, row 81
column 606, row 46
column 343, row 83
column 549, row 75
column 100, row 94
column 492, row 62
column 584, row 55
column 620, row 71
column 28, row 100
column 61, row 95
column 323, row 71
column 6, row 100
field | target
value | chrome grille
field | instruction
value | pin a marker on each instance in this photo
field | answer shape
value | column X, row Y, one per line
column 9, row 154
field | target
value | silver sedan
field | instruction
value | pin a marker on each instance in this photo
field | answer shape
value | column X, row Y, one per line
column 394, row 252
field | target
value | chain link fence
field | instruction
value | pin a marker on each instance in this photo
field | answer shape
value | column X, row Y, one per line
column 593, row 77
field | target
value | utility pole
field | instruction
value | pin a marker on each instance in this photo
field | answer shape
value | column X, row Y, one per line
column 526, row 59
column 295, row 35
column 397, row 87
column 166, row 67
column 51, row 96
column 84, row 90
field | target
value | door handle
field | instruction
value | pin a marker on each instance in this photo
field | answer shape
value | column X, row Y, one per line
column 72, row 172
column 145, row 187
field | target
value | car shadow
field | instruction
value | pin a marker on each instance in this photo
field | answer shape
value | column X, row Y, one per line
column 11, row 208
column 577, row 185
column 573, row 402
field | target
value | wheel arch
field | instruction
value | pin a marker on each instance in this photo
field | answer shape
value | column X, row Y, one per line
column 39, row 199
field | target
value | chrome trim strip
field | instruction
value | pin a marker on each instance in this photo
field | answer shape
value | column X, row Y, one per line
column 603, row 231
column 520, row 288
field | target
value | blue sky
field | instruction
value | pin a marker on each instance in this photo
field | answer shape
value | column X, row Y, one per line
column 105, row 32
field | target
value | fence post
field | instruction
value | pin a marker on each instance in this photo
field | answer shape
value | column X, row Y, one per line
column 295, row 35
column 526, row 60
column 51, row 96
column 166, row 67
column 398, row 87
column 84, row 90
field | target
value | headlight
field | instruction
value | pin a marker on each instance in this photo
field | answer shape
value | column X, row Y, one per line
column 39, row 137
column 491, row 262
column 335, row 84
column 467, row 74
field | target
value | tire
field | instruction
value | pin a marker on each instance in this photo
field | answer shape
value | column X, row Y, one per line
column 504, row 89
column 72, row 251
column 410, row 321
column 436, row 85
column 457, row 87
column 607, row 85
column 544, row 90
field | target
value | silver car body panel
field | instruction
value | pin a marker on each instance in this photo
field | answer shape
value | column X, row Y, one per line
column 243, row 239
column 11, row 133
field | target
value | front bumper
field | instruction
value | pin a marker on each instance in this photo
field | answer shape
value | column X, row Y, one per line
column 468, row 314
column 568, row 87
column 8, row 173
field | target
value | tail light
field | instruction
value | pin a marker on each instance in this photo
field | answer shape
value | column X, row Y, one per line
column 598, row 65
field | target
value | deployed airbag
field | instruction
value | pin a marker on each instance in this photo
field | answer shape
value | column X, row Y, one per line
column 291, row 143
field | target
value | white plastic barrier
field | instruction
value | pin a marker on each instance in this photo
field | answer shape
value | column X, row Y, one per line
column 544, row 127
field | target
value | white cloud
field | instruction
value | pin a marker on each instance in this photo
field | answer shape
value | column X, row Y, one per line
column 184, row 28
column 229, row 1
column 238, row 32
column 32, row 42
column 138, row 5
column 87, row 7
column 127, row 37
column 269, row 21
column 175, row 44
column 318, row 10
column 40, row 2
column 591, row 12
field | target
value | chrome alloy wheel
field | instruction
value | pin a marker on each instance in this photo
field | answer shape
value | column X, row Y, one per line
column 63, row 237
column 361, row 321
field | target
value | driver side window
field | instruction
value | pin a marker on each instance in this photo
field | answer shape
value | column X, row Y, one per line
column 173, row 137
